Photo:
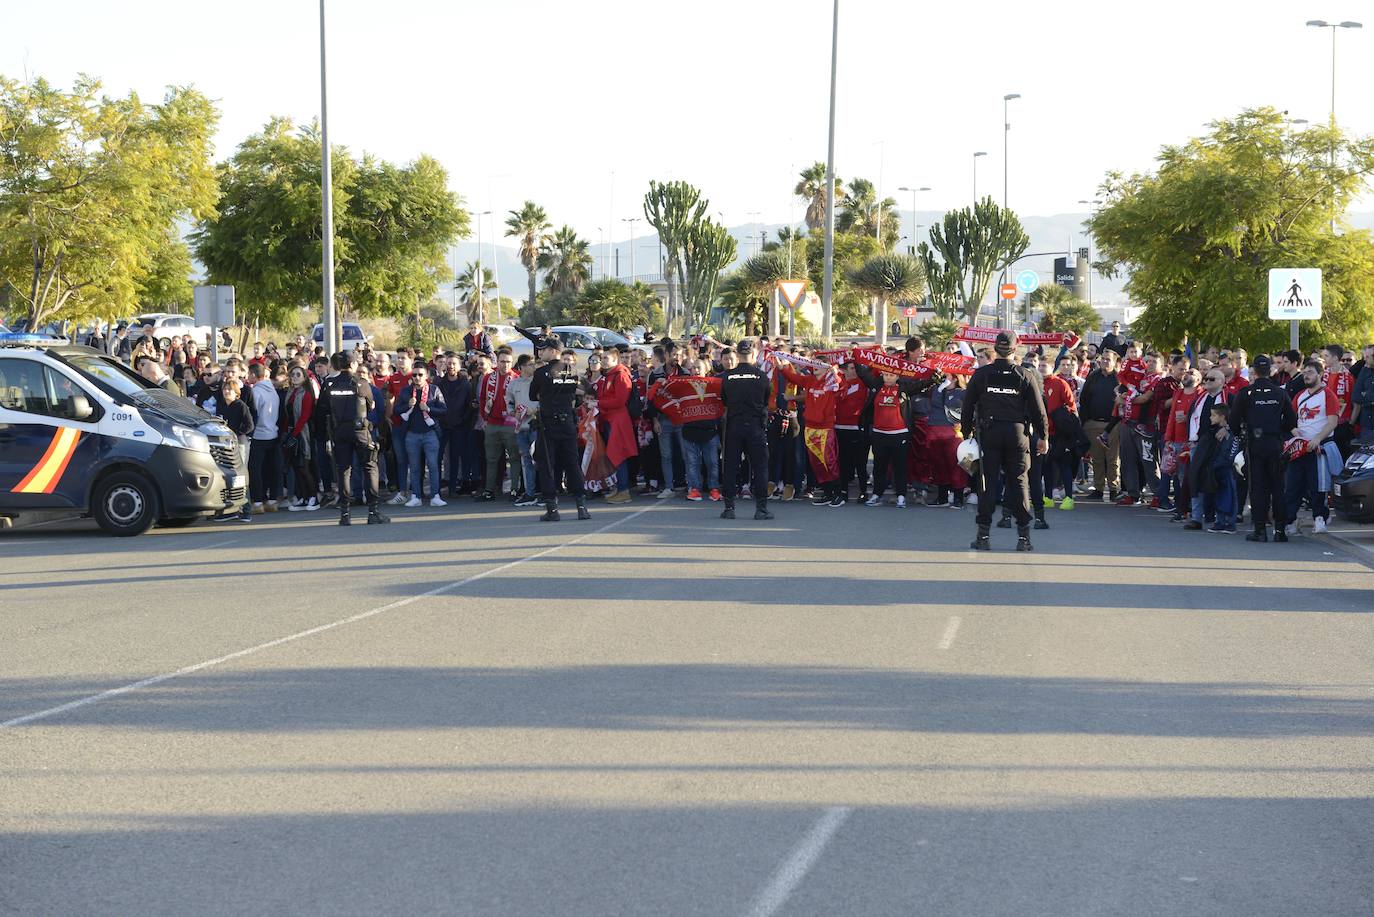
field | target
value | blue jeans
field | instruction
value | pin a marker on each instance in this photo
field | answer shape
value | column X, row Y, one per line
column 524, row 444
column 1300, row 482
column 668, row 434
column 622, row 476
column 694, row 454
column 428, row 444
column 1221, row 503
column 398, row 448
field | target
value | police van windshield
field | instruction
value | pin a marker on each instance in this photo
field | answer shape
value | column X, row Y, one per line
column 110, row 374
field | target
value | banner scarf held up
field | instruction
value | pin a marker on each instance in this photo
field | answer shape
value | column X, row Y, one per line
column 688, row 399
column 972, row 335
column 955, row 364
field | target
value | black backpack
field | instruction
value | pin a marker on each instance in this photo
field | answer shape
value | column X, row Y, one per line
column 634, row 404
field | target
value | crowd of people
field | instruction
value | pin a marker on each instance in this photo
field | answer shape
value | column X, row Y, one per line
column 1126, row 424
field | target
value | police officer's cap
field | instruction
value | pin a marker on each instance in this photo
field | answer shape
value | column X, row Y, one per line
column 744, row 346
column 1263, row 363
column 1005, row 343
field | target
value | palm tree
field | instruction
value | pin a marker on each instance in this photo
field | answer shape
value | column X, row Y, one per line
column 862, row 210
column 742, row 300
column 611, row 304
column 812, row 189
column 473, row 290
column 567, row 260
column 530, row 224
column 888, row 278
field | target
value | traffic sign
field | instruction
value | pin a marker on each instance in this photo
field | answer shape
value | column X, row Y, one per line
column 1009, row 291
column 909, row 312
column 1295, row 293
column 791, row 291
column 1028, row 281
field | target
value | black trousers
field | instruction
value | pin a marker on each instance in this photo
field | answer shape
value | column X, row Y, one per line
column 853, row 449
column 889, row 459
column 264, row 469
column 1005, row 449
column 1264, row 469
column 749, row 440
column 1036, row 477
column 556, row 458
column 361, row 445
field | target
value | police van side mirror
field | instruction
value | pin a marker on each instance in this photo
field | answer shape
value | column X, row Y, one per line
column 79, row 407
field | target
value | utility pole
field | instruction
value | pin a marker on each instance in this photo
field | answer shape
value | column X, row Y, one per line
column 828, row 286
column 329, row 318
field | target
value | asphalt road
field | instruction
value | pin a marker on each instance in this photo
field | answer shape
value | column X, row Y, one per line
column 840, row 712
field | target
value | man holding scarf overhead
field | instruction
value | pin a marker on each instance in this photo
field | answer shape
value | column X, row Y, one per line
column 822, row 387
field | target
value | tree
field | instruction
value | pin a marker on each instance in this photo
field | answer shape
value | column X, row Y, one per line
column 850, row 309
column 811, row 188
column 707, row 250
column 530, row 224
column 973, row 244
column 472, row 289
column 743, row 301
column 939, row 331
column 91, row 191
column 611, row 304
column 673, row 209
column 393, row 226
column 1198, row 236
column 568, row 261
column 888, row 278
column 862, row 211
column 1068, row 314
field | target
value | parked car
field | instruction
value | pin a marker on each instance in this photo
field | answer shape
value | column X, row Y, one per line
column 167, row 325
column 1352, row 491
column 352, row 335
column 582, row 338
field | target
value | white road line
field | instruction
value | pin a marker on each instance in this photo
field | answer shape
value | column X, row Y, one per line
column 202, row 547
column 300, row 635
column 791, row 873
column 951, row 631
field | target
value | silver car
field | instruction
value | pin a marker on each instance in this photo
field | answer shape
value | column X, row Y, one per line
column 582, row 338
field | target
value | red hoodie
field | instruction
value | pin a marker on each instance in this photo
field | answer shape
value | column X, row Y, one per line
column 822, row 393
column 491, row 399
column 1058, row 394
column 887, row 411
column 849, row 405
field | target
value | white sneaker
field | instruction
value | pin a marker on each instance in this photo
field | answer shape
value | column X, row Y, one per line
column 435, row 501
column 398, row 500
column 874, row 500
column 257, row 509
column 312, row 505
column 972, row 500
column 901, row 502
column 296, row 506
column 414, row 502
column 1319, row 526
column 665, row 493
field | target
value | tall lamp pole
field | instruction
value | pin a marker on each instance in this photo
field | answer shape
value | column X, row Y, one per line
column 914, row 192
column 976, row 157
column 478, row 279
column 632, row 221
column 828, row 286
column 328, row 319
column 1333, row 26
column 1003, row 307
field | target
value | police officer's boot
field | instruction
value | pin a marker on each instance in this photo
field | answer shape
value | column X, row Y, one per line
column 1005, row 521
column 343, row 515
column 729, row 511
column 550, row 511
column 1023, row 538
column 1280, row 533
column 375, row 517
column 1261, row 533
column 1040, row 523
column 982, row 542
column 582, row 509
column 761, row 510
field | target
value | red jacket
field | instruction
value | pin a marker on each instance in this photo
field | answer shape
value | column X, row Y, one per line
column 1058, row 394
column 887, row 411
column 612, row 396
column 491, row 399
column 849, row 405
column 822, row 393
column 1176, row 430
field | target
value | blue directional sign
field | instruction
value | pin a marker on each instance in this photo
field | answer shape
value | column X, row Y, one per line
column 1028, row 281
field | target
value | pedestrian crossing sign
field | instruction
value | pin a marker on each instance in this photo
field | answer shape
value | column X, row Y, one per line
column 1295, row 293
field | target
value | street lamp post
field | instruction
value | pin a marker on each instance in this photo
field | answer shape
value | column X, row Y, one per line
column 828, row 285
column 1095, row 202
column 1003, row 308
column 477, row 276
column 1333, row 26
column 328, row 318
column 976, row 157
column 914, row 192
column 632, row 221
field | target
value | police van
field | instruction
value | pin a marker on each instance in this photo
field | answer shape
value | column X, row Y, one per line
column 81, row 432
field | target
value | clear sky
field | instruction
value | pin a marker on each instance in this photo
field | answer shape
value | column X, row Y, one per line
column 545, row 100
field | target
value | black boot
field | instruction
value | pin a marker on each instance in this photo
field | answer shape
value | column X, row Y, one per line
column 761, row 510
column 1040, row 523
column 1004, row 522
column 982, row 542
column 550, row 512
column 1261, row 533
column 729, row 511
column 1023, row 538
column 1280, row 533
column 582, row 509
column 343, row 516
column 375, row 517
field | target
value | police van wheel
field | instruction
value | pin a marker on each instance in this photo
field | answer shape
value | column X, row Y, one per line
column 179, row 522
column 125, row 504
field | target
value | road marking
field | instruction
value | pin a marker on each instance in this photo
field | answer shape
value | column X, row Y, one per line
column 791, row 873
column 951, row 631
column 202, row 547
column 300, row 635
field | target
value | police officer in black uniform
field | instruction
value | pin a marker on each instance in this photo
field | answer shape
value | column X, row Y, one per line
column 745, row 390
column 1262, row 415
column 347, row 398
column 1002, row 408
column 555, row 449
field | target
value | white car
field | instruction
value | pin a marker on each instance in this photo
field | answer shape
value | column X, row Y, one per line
column 352, row 335
column 167, row 325
column 582, row 338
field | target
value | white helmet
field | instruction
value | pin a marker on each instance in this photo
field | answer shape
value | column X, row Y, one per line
column 968, row 455
column 1239, row 463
